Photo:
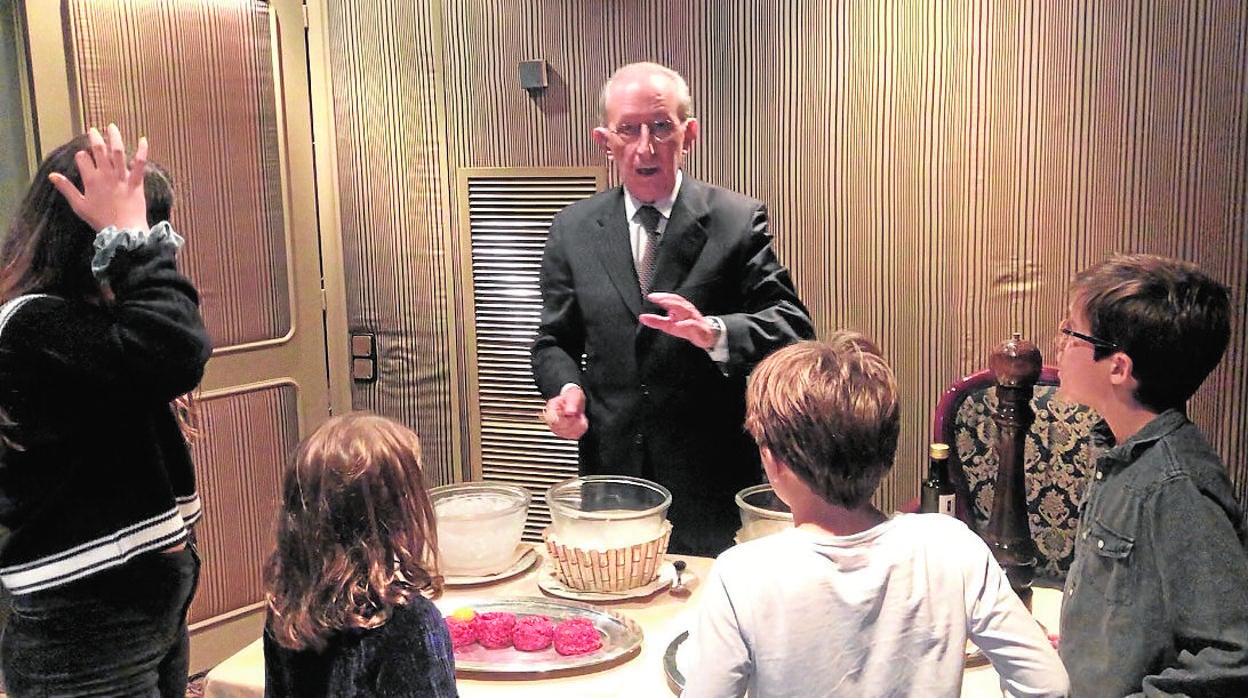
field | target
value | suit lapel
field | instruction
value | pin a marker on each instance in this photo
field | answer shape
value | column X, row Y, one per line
column 616, row 253
column 681, row 244
column 684, row 237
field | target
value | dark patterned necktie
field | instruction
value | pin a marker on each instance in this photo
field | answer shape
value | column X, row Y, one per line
column 649, row 217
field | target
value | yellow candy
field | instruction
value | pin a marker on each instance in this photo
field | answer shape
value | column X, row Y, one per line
column 464, row 613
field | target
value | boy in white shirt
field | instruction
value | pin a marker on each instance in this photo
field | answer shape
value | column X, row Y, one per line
column 851, row 601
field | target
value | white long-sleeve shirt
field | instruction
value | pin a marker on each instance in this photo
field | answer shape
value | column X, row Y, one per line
column 886, row 612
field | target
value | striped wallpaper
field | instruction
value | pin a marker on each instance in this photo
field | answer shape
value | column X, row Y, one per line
column 936, row 171
column 395, row 216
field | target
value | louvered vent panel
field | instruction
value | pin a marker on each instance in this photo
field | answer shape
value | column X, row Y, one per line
column 508, row 216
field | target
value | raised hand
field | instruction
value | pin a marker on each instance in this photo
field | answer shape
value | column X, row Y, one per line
column 682, row 320
column 112, row 189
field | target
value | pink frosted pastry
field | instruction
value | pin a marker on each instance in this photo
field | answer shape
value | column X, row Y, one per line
column 494, row 629
column 576, row 636
column 463, row 632
column 532, row 633
column 463, row 626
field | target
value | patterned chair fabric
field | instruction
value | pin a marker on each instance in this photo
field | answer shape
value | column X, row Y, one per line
column 1056, row 458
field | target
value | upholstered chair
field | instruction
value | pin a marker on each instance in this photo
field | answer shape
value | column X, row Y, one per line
column 1056, row 459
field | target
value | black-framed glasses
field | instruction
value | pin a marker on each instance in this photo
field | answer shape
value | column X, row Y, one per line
column 1094, row 341
column 659, row 131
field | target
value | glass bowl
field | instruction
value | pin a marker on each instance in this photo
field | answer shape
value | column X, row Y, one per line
column 479, row 526
column 602, row 512
column 762, row 513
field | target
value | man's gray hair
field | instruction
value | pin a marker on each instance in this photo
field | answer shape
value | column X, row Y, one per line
column 684, row 100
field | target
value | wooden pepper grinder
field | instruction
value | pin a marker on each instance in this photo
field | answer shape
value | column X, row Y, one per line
column 1016, row 364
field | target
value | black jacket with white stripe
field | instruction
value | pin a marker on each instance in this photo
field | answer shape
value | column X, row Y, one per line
column 94, row 469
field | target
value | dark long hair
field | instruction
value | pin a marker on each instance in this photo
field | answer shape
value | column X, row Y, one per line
column 356, row 536
column 48, row 248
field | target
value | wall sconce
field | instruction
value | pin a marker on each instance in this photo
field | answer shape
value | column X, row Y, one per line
column 533, row 75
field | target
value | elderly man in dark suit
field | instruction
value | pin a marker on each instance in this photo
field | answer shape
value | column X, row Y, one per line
column 658, row 298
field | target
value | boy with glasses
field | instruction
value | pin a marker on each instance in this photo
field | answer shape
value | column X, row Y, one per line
column 1156, row 602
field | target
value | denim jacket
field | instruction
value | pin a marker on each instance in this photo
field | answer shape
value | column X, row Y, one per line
column 1156, row 602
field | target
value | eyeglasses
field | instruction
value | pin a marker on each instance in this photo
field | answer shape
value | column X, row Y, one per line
column 1094, row 341
column 659, row 130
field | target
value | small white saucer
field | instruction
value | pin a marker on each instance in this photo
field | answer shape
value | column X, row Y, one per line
column 525, row 557
column 548, row 581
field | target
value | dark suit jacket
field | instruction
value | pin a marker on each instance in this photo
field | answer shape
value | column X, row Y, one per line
column 658, row 406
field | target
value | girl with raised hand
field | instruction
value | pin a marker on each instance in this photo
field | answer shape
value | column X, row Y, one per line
column 99, row 334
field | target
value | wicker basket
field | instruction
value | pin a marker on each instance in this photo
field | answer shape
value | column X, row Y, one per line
column 615, row 569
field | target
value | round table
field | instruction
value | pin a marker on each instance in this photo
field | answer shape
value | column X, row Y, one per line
column 662, row 616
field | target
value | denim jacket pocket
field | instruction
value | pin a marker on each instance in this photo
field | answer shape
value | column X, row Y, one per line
column 1111, row 553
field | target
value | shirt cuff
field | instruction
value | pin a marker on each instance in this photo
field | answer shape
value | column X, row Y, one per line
column 719, row 352
column 111, row 239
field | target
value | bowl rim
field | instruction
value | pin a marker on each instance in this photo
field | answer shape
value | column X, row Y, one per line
column 602, row 516
column 764, row 513
column 524, row 500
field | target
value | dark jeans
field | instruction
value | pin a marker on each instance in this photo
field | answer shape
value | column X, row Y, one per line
column 121, row 632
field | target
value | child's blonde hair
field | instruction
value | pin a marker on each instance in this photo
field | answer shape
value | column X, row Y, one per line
column 829, row 411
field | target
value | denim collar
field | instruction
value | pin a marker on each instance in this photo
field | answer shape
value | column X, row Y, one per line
column 1121, row 455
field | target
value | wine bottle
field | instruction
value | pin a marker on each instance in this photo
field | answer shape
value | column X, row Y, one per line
column 938, row 495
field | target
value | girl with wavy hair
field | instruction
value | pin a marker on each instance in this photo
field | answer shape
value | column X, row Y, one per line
column 356, row 564
column 99, row 334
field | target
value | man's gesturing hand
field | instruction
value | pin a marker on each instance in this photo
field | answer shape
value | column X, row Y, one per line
column 682, row 320
column 565, row 413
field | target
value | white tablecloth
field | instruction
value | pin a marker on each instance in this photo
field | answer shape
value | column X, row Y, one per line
column 662, row 617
